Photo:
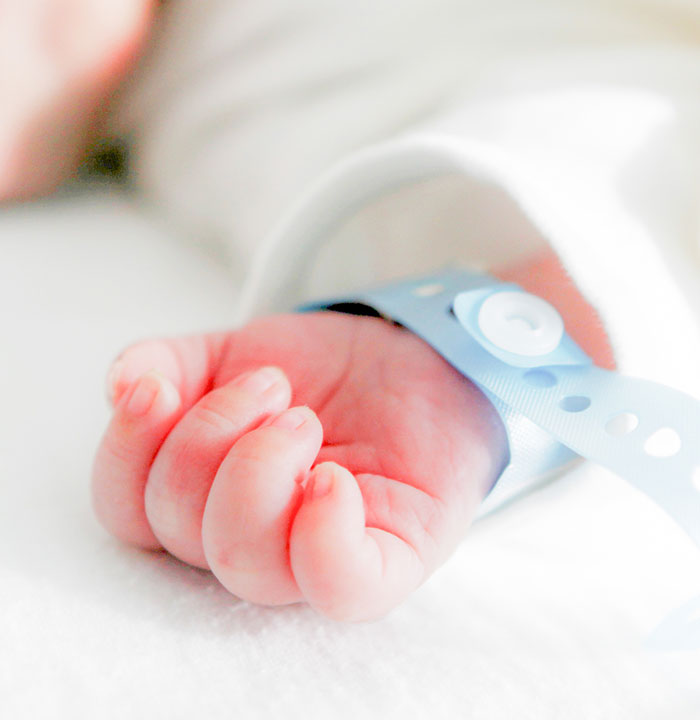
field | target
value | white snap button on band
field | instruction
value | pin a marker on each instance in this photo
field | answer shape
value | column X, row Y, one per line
column 520, row 323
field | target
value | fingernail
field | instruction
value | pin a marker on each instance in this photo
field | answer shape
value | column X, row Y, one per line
column 321, row 484
column 291, row 419
column 144, row 393
column 259, row 381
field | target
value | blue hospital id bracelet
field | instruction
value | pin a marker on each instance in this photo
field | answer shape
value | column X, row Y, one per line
column 514, row 346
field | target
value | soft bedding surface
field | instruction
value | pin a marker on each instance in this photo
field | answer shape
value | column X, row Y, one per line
column 548, row 609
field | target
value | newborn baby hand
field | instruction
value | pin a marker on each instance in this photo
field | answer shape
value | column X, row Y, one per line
column 324, row 457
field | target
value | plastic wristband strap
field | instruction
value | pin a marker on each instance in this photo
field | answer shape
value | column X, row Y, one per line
column 513, row 345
